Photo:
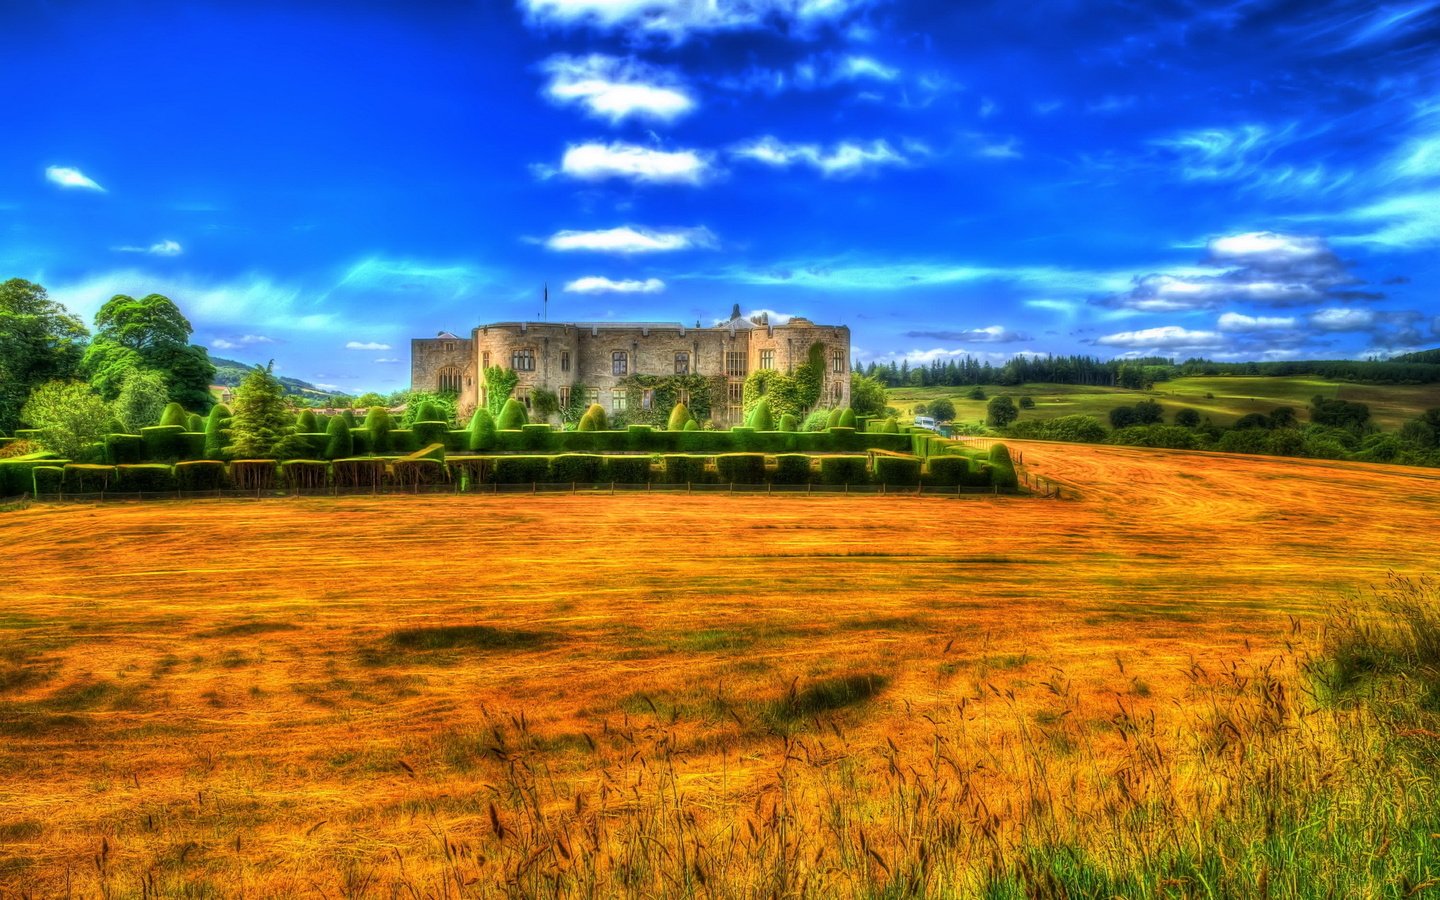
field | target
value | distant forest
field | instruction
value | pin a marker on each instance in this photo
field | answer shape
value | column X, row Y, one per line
column 1411, row 368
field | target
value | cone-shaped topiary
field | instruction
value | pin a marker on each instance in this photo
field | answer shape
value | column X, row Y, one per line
column 482, row 430
column 587, row 423
column 678, row 417
column 834, row 420
column 305, row 423
column 194, row 422
column 692, row 425
column 512, row 416
column 789, row 423
column 427, row 411
column 847, row 418
column 890, row 426
column 339, row 443
column 349, row 418
column 215, row 431
column 174, row 414
column 761, row 419
column 602, row 422
column 378, row 424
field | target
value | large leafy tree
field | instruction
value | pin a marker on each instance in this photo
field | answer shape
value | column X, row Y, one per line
column 39, row 341
column 69, row 415
column 148, row 333
column 143, row 397
column 261, row 424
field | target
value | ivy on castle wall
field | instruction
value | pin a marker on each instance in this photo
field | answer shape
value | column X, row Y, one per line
column 794, row 393
column 499, row 385
column 704, row 392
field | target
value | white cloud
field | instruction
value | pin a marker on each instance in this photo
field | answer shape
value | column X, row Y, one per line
column 629, row 239
column 843, row 159
column 595, row 284
column 366, row 345
column 68, row 177
column 239, row 303
column 990, row 334
column 677, row 19
column 855, row 68
column 163, row 248
column 1401, row 222
column 1165, row 337
column 617, row 88
column 1340, row 319
column 244, row 340
column 387, row 360
column 1239, row 322
column 595, row 162
column 891, row 276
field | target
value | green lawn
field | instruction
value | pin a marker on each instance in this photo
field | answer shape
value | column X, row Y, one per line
column 1231, row 397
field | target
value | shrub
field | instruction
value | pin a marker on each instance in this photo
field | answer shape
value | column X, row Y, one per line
column 761, row 418
column 792, row 468
column 692, row 425
column 1076, row 429
column 576, row 468
column 538, row 437
column 360, row 440
column 833, row 419
column 947, row 471
column 482, row 430
column 253, row 474
column 1173, row 437
column 163, row 442
column 428, row 433
column 378, row 427
column 975, row 393
column 124, row 448
column 81, row 478
column 1001, row 411
column 174, row 414
column 847, row 418
column 843, row 437
column 679, row 416
column 427, row 411
column 358, row 472
column 338, row 441
column 943, row 410
column 521, row 470
column 512, row 416
column 1002, row 468
column 587, row 423
column 215, row 436
column 741, row 468
column 192, row 445
column 844, row 470
column 685, row 469
column 200, row 475
column 402, row 440
column 742, row 437
column 47, row 479
column 1187, row 418
column 1245, row 440
column 306, row 474
column 627, row 470
column 901, row 470
column 412, row 472
column 640, row 437
column 194, row 422
column 145, row 477
column 789, row 423
column 305, row 422
column 16, row 476
column 597, row 412
column 1027, row 402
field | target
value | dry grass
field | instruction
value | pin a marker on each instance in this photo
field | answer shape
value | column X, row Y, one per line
column 692, row 695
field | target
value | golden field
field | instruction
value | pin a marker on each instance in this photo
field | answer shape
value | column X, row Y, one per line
column 673, row 695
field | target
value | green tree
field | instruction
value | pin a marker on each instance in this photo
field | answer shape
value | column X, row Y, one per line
column 1187, row 418
column 142, row 400
column 261, row 422
column 942, row 410
column 39, row 342
column 1027, row 402
column 367, row 400
column 867, row 396
column 975, row 393
column 68, row 414
column 678, row 417
column 149, row 333
column 1001, row 411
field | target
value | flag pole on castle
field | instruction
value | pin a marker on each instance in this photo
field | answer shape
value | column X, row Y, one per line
column 545, row 317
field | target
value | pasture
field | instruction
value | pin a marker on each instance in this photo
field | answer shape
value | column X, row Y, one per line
column 1230, row 398
column 707, row 695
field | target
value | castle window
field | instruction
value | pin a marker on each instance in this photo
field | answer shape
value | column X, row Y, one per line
column 682, row 363
column 564, row 396
column 619, row 363
column 647, row 400
column 592, row 396
column 485, row 360
column 684, row 397
column 523, row 397
column 837, row 394
column 523, row 360
column 448, row 346
column 737, row 392
column 837, row 362
column 619, row 401
column 767, row 359
column 734, row 364
column 447, row 380
column 564, row 360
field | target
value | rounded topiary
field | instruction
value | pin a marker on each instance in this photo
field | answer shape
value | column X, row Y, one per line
column 349, row 418
column 427, row 411
column 339, row 442
column 512, row 416
column 587, row 423
column 833, row 420
column 482, row 430
column 174, row 414
column 761, row 418
column 194, row 422
column 215, row 438
column 789, row 423
column 692, row 425
column 679, row 416
column 602, row 422
column 378, row 425
column 305, row 423
column 847, row 418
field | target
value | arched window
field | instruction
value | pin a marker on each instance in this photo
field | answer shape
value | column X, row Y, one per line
column 448, row 380
column 837, row 394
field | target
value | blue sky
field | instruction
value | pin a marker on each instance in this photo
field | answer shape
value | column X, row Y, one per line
column 1244, row 181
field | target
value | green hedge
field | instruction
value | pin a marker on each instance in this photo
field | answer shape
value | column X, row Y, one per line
column 200, row 475
column 685, row 469
column 897, row 470
column 844, row 469
column 538, row 437
column 741, row 468
column 627, row 469
column 792, row 468
column 402, row 440
column 520, row 470
column 413, row 471
column 339, row 440
column 470, row 471
column 33, row 435
column 163, row 443
column 1003, row 468
column 947, row 471
column 194, row 444
column 253, row 474
column 306, row 474
column 148, row 477
column 16, row 477
column 48, row 480
column 359, row 472
column 576, row 468
column 88, row 479
column 361, row 441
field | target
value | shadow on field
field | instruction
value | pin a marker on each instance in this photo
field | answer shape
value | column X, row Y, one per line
column 447, row 642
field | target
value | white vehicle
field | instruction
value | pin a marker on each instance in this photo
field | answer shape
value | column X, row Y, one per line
column 925, row 422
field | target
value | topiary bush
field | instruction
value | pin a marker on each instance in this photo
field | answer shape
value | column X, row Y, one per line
column 512, row 416
column 145, row 477
column 692, row 425
column 124, row 448
column 847, row 418
column 897, row 470
column 679, row 418
column 195, row 422
column 193, row 444
column 163, row 443
column 793, row 468
column 1002, row 468
column 360, row 440
column 306, row 474
column 788, row 422
column 427, row 433
column 412, row 472
column 761, row 419
column 521, row 470
column 359, row 472
column 402, row 440
column 947, row 471
column 482, row 431
column 88, row 479
column 538, row 437
column 427, row 411
column 200, row 475
column 576, row 468
column 626, row 470
column 47, row 480
column 378, row 426
column 338, row 441
column 174, row 415
column 216, row 435
column 744, row 438
column 306, row 422
column 844, row 470
column 741, row 468
column 683, row 468
column 640, row 438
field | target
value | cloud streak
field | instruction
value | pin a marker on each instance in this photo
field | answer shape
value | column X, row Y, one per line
column 617, row 89
column 641, row 165
column 67, row 177
column 629, row 239
column 841, row 160
column 595, row 284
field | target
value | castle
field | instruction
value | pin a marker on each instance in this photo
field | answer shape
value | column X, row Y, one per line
column 559, row 356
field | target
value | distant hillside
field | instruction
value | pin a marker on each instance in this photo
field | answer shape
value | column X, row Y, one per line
column 228, row 372
column 1419, row 356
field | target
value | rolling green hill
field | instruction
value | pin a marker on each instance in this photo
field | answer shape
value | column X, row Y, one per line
column 228, row 373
